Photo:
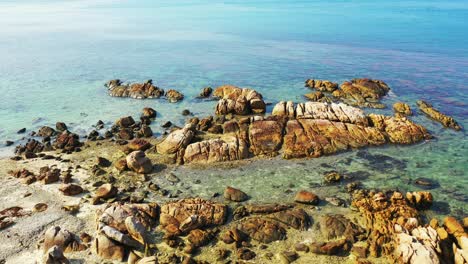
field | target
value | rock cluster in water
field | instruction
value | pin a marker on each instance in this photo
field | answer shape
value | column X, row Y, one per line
column 357, row 92
column 141, row 91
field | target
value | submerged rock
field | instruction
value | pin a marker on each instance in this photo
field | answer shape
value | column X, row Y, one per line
column 433, row 113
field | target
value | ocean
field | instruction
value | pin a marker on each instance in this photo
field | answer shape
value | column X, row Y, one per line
column 56, row 56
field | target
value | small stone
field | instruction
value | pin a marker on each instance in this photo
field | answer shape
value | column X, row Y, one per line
column 167, row 124
column 55, row 256
column 71, row 189
column 234, row 194
column 301, row 247
column 306, row 198
column 105, row 191
column 40, row 207
column 245, row 254
column 186, row 112
column 21, row 131
column 103, row 162
column 9, row 143
column 332, row 177
column 288, row 256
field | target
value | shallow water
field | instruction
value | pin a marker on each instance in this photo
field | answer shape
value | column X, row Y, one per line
column 57, row 55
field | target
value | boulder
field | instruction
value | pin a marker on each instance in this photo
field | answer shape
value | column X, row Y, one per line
column 176, row 140
column 60, row 126
column 125, row 122
column 148, row 112
column 55, row 236
column 235, row 195
column 433, row 113
column 338, row 226
column 105, row 191
column 205, row 92
column 46, row 131
column 314, row 96
column 193, row 213
column 106, row 248
column 262, row 230
column 401, row 109
column 306, row 198
column 138, row 162
column 139, row 144
column 67, row 141
column 239, row 101
column 174, row 96
column 55, row 256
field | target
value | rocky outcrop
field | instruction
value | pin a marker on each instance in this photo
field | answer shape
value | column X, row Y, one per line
column 136, row 90
column 215, row 150
column 265, row 137
column 399, row 130
column 321, row 85
column 122, row 227
column 318, row 110
column 317, row 137
column 189, row 214
column 239, row 101
column 176, row 140
column 362, row 92
column 433, row 113
column 284, row 109
column 419, row 245
column 381, row 212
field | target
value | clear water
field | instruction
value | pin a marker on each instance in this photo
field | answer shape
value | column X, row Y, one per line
column 56, row 55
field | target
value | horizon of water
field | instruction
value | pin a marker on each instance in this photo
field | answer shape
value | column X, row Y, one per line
column 57, row 55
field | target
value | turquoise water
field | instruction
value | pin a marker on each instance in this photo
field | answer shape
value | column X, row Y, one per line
column 56, row 56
